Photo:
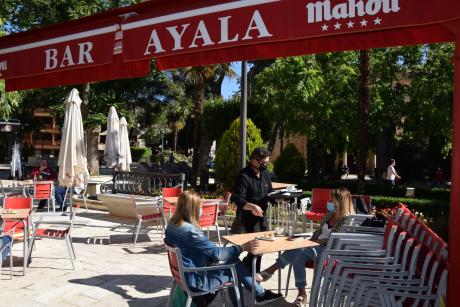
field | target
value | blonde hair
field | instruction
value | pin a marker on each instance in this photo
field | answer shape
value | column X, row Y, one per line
column 342, row 198
column 187, row 208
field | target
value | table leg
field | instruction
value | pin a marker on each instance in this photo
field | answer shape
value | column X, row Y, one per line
column 25, row 249
column 253, row 290
column 270, row 215
column 279, row 276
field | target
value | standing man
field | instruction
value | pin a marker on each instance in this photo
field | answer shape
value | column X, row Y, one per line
column 251, row 197
column 391, row 173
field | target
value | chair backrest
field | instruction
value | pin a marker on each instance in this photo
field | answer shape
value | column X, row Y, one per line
column 320, row 197
column 175, row 264
column 171, row 192
column 209, row 213
column 17, row 203
column 43, row 189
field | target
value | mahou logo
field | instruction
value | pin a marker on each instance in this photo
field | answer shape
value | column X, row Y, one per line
column 320, row 11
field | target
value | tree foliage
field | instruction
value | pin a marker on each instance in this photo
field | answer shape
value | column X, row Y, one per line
column 227, row 155
column 290, row 165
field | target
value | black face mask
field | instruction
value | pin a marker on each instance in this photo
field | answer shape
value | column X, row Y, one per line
column 262, row 167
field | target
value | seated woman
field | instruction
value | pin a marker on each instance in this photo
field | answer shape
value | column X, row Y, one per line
column 338, row 210
column 198, row 251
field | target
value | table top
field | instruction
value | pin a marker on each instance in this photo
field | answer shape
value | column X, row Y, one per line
column 284, row 194
column 173, row 200
column 280, row 244
column 17, row 214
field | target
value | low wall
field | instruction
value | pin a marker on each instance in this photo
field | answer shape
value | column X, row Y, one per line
column 121, row 205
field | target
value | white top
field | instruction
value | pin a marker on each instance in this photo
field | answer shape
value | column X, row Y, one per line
column 391, row 172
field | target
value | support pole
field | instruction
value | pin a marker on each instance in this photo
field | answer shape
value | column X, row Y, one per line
column 454, row 226
column 243, row 113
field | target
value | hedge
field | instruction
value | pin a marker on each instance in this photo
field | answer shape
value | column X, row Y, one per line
column 140, row 153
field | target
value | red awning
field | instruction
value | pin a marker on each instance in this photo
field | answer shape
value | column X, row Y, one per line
column 190, row 33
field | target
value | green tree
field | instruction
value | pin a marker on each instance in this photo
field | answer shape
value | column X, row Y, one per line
column 227, row 158
column 290, row 165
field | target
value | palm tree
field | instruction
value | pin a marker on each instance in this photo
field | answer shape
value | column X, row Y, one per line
column 198, row 77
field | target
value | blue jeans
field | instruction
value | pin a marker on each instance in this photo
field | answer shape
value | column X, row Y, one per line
column 59, row 194
column 298, row 258
column 218, row 278
column 4, row 241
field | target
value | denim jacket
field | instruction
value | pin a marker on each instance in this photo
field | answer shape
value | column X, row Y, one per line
column 198, row 251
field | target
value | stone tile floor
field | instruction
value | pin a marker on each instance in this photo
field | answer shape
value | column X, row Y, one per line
column 109, row 270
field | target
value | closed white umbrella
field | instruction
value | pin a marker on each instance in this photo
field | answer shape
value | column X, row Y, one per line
column 16, row 161
column 125, row 151
column 73, row 167
column 112, row 139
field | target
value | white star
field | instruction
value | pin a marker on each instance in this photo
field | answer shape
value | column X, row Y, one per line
column 363, row 23
column 324, row 27
column 350, row 24
column 337, row 26
column 377, row 21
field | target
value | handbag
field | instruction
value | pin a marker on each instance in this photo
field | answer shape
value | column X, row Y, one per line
column 237, row 225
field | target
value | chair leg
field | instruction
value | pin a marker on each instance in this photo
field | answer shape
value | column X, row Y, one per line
column 84, row 202
column 170, row 302
column 138, row 228
column 225, row 224
column 73, row 250
column 288, row 279
column 218, row 234
column 69, row 249
column 31, row 246
column 11, row 264
column 189, row 301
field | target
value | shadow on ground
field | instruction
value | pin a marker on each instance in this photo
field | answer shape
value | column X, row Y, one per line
column 148, row 290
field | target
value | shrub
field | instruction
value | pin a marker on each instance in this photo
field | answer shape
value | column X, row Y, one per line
column 140, row 153
column 290, row 165
column 227, row 155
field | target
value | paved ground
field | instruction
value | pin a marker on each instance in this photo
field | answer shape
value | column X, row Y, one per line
column 110, row 271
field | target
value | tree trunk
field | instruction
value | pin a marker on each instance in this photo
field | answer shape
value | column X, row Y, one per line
column 197, row 112
column 363, row 116
column 275, row 134
column 205, row 148
column 92, row 134
column 383, row 152
column 176, row 133
column 92, row 140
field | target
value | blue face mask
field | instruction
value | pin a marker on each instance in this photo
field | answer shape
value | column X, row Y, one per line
column 330, row 207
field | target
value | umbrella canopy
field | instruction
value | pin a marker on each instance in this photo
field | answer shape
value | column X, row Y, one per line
column 73, row 167
column 125, row 151
column 112, row 140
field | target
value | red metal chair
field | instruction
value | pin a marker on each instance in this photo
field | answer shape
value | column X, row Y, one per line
column 141, row 205
column 177, row 270
column 57, row 228
column 44, row 190
column 168, row 208
column 19, row 226
column 223, row 207
column 318, row 208
column 209, row 215
column 18, row 229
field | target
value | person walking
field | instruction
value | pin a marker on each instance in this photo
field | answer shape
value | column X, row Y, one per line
column 250, row 195
column 392, row 175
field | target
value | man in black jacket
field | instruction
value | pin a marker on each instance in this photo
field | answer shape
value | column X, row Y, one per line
column 251, row 196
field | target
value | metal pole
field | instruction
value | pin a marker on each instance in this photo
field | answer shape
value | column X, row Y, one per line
column 243, row 113
column 454, row 227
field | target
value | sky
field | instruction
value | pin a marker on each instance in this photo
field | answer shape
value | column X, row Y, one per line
column 230, row 86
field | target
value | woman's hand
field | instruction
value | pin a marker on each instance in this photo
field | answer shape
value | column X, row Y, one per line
column 250, row 246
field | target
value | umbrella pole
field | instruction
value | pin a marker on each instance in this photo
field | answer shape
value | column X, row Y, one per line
column 71, row 200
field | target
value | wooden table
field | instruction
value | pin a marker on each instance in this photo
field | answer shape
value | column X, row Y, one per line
column 20, row 215
column 265, row 247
